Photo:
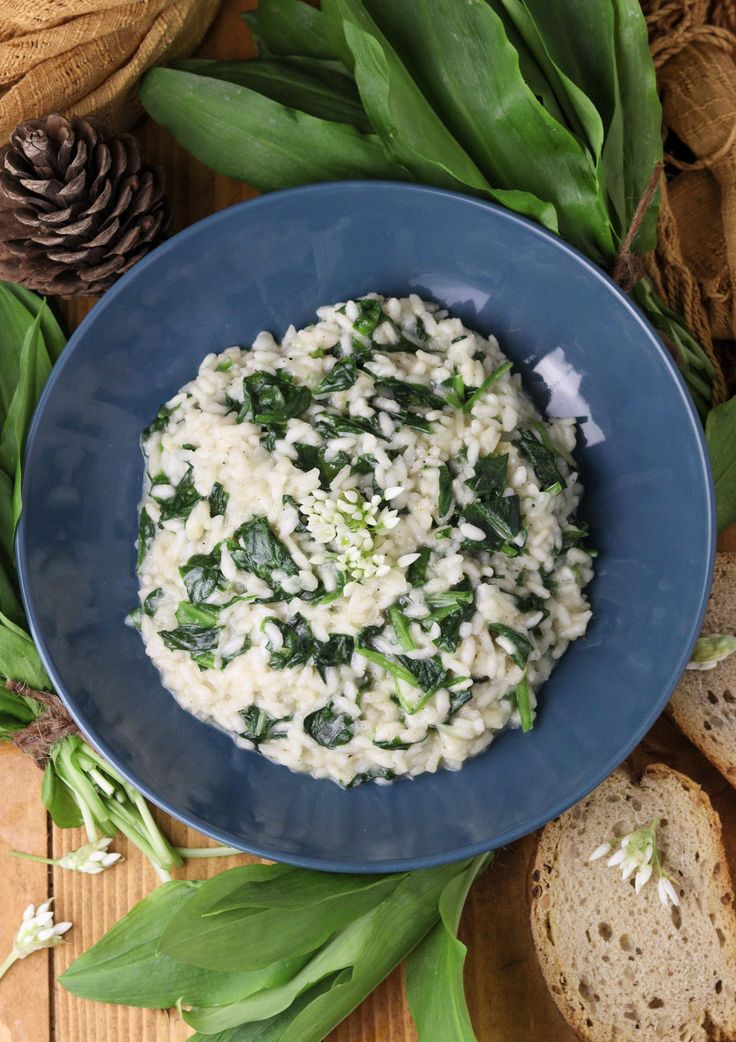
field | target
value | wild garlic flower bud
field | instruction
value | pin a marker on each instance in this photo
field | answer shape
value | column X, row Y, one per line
column 91, row 858
column 637, row 855
column 710, row 649
column 37, row 930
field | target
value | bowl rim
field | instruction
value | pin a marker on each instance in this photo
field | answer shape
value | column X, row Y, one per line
column 557, row 806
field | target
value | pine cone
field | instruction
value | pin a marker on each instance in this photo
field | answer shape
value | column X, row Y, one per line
column 77, row 209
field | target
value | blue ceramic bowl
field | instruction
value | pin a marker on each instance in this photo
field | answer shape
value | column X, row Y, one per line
column 583, row 350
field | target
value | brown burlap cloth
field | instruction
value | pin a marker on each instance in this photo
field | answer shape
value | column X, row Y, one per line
column 86, row 56
column 693, row 43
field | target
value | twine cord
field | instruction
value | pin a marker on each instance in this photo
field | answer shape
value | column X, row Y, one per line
column 628, row 267
column 39, row 737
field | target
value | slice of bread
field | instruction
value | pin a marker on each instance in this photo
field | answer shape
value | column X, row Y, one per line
column 620, row 965
column 704, row 702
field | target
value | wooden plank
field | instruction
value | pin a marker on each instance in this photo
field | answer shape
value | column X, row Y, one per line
column 24, row 993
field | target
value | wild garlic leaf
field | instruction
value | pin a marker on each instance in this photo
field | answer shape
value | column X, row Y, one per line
column 336, row 651
column 499, row 518
column 270, row 398
column 492, row 111
column 429, row 673
column 153, row 601
column 126, row 968
column 289, row 27
column 523, row 702
column 206, row 615
column 245, row 135
column 340, row 952
column 59, row 800
column 159, row 423
column 402, row 919
column 200, row 641
column 308, row 84
column 434, row 969
column 328, row 727
column 457, row 700
column 215, row 940
column 19, row 659
column 332, row 425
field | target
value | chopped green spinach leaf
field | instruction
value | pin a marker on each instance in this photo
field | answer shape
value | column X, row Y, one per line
column 445, row 498
column 146, row 534
column 206, row 615
column 343, row 375
column 416, row 573
column 328, row 728
column 489, row 478
column 299, row 644
column 199, row 641
column 218, row 499
column 522, row 647
column 256, row 549
column 374, row 773
column 337, row 651
column 201, row 575
column 159, row 423
column 364, row 464
column 457, row 700
column 270, row 398
column 330, row 425
column 260, row 727
column 314, row 457
column 183, row 501
column 152, row 601
column 409, row 394
column 370, row 314
column 543, row 461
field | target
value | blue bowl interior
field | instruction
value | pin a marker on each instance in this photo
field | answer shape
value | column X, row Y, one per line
column 583, row 351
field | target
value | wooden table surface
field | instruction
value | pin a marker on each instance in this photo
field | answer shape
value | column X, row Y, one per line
column 507, row 995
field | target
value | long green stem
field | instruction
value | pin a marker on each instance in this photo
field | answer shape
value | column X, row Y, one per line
column 34, row 857
column 202, row 852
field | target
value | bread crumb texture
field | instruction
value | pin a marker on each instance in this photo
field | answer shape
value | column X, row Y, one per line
column 704, row 702
column 620, row 966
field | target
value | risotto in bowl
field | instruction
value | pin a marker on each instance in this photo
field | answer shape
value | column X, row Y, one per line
column 359, row 550
column 366, row 627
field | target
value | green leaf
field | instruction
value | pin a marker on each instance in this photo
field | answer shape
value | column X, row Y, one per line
column 306, row 84
column 244, row 135
column 522, row 647
column 58, row 799
column 15, row 321
column 461, row 59
column 412, row 133
column 19, row 659
column 259, row 551
column 339, row 953
column 34, row 367
column 720, row 432
column 16, row 711
column 313, row 457
column 434, row 970
column 10, row 604
column 218, row 500
column 184, row 499
column 402, row 920
column 416, row 573
column 259, row 726
column 126, row 968
column 329, row 728
column 543, row 459
column 290, row 27
column 522, row 698
column 641, row 114
column 445, row 498
column 216, row 941
column 51, row 331
column 202, row 575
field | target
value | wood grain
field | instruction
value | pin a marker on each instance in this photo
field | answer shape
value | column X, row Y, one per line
column 507, row 995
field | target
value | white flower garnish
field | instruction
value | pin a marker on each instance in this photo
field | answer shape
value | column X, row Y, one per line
column 638, row 853
column 352, row 525
column 91, row 858
column 37, row 930
column 710, row 649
